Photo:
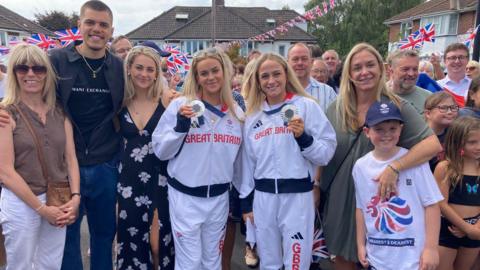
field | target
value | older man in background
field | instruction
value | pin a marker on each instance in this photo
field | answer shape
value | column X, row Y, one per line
column 404, row 75
column 300, row 59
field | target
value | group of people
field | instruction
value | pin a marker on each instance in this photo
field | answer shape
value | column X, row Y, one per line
column 391, row 168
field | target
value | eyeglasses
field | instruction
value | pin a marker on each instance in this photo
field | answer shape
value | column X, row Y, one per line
column 471, row 68
column 445, row 108
column 320, row 71
column 458, row 57
column 23, row 69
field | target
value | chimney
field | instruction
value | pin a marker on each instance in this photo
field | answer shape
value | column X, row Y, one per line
column 219, row 3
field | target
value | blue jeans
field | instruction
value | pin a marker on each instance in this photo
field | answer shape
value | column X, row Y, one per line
column 98, row 188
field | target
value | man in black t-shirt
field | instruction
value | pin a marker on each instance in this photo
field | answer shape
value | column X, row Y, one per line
column 90, row 87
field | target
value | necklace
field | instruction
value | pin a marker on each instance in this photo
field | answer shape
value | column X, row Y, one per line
column 94, row 71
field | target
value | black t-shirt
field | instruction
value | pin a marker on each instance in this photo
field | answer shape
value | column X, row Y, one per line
column 90, row 101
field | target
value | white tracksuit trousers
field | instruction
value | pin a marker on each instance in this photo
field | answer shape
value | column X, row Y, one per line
column 284, row 229
column 198, row 227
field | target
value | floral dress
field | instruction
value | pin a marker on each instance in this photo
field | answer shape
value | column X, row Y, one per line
column 142, row 188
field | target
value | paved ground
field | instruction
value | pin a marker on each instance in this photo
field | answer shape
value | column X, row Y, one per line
column 237, row 258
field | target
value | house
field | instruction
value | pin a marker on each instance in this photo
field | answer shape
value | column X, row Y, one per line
column 451, row 18
column 190, row 28
column 14, row 25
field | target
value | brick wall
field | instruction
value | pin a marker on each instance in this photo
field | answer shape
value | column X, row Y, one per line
column 393, row 32
column 465, row 22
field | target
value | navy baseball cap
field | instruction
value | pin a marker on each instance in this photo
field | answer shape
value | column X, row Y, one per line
column 382, row 111
column 154, row 46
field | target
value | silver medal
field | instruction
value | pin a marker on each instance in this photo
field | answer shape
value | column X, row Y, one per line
column 288, row 112
column 198, row 107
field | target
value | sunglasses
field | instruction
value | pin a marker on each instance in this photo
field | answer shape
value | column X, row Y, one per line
column 23, row 69
column 471, row 68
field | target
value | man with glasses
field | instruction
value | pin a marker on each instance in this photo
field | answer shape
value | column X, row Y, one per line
column 300, row 59
column 319, row 70
column 404, row 74
column 90, row 88
column 456, row 82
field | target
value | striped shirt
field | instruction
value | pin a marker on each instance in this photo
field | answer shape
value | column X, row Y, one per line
column 323, row 93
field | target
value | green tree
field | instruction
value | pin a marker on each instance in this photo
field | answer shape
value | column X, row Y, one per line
column 56, row 20
column 354, row 21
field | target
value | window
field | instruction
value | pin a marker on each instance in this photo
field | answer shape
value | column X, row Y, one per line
column 281, row 50
column 405, row 29
column 247, row 47
column 270, row 22
column 193, row 46
column 181, row 16
column 3, row 38
column 444, row 24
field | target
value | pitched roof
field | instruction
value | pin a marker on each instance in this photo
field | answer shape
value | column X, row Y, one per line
column 431, row 7
column 13, row 21
column 232, row 23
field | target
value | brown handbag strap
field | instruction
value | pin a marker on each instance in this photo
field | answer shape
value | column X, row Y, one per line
column 36, row 140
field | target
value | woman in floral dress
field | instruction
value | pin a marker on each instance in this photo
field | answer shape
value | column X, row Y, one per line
column 142, row 187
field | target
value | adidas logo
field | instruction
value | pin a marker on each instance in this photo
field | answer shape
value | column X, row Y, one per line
column 258, row 124
column 297, row 236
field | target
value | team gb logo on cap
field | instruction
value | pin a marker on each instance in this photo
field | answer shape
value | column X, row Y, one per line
column 384, row 108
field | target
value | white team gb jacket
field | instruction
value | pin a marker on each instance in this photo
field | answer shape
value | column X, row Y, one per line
column 271, row 151
column 205, row 155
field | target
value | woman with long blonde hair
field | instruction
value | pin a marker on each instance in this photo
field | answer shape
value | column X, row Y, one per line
column 200, row 135
column 286, row 136
column 142, row 191
column 363, row 83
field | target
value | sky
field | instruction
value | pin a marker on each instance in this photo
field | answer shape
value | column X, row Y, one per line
column 130, row 14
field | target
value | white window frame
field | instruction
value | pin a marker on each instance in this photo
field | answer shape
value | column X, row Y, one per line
column 192, row 46
column 406, row 29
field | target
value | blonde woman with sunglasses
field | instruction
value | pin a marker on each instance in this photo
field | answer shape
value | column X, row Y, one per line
column 200, row 134
column 35, row 232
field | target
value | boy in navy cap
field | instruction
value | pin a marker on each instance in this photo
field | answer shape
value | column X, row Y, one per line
column 392, row 233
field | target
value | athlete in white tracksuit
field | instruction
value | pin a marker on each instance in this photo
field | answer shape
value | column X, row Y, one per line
column 280, row 168
column 201, row 158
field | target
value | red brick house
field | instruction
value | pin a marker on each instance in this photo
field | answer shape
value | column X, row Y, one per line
column 452, row 20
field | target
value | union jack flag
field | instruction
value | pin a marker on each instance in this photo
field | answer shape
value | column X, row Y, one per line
column 271, row 33
column 413, row 41
column 319, row 244
column 282, row 28
column 291, row 23
column 428, row 33
column 68, row 36
column 471, row 37
column 177, row 62
column 4, row 50
column 332, row 4
column 318, row 10
column 14, row 40
column 299, row 19
column 325, row 7
column 41, row 40
column 309, row 16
